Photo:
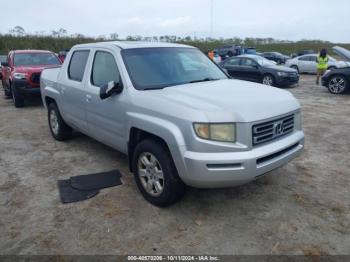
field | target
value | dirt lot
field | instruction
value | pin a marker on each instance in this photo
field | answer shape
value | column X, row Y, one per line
column 302, row 208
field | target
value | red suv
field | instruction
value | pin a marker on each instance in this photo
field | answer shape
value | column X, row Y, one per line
column 21, row 73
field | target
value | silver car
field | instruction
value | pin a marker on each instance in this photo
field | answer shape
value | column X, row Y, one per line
column 175, row 114
column 308, row 63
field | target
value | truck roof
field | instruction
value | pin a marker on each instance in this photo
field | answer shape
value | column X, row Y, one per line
column 132, row 44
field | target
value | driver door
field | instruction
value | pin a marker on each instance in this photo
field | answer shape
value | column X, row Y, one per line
column 105, row 118
column 250, row 70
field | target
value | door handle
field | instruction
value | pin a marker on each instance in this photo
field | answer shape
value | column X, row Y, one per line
column 88, row 98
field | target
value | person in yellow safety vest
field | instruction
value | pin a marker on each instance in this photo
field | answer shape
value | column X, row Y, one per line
column 322, row 64
column 211, row 55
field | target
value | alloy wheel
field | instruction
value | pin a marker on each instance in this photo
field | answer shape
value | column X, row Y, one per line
column 268, row 80
column 151, row 174
column 337, row 85
column 54, row 122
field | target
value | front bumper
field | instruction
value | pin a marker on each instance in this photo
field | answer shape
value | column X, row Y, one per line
column 287, row 81
column 215, row 170
column 24, row 89
column 324, row 81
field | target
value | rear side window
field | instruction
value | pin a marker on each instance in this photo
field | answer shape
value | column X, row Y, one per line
column 304, row 58
column 232, row 62
column 77, row 65
column 104, row 69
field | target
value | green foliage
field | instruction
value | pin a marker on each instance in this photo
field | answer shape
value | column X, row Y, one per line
column 11, row 42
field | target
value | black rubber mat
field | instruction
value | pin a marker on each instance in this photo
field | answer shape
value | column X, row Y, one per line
column 70, row 195
column 96, row 181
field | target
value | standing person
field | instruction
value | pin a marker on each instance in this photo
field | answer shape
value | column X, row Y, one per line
column 211, row 54
column 322, row 64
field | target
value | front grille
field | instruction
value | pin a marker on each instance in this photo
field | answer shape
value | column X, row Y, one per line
column 271, row 130
column 35, row 78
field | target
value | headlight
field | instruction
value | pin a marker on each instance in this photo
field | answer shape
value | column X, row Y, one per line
column 216, row 132
column 20, row 75
column 282, row 74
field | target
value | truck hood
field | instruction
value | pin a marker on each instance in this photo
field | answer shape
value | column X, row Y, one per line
column 229, row 100
column 32, row 69
column 344, row 53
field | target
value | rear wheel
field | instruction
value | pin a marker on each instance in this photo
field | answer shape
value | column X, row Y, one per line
column 337, row 85
column 268, row 80
column 155, row 174
column 59, row 129
column 7, row 90
column 18, row 100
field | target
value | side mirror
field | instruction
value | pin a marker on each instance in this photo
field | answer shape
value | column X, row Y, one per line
column 4, row 64
column 110, row 89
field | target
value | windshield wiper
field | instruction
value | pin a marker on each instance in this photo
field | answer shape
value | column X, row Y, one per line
column 204, row 80
column 152, row 88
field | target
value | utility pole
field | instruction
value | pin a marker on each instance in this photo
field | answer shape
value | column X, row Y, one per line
column 211, row 18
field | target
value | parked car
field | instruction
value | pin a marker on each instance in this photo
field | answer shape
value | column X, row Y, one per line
column 177, row 115
column 306, row 52
column 22, row 73
column 275, row 56
column 234, row 50
column 62, row 55
column 229, row 50
column 2, row 60
column 338, row 80
column 308, row 63
column 259, row 69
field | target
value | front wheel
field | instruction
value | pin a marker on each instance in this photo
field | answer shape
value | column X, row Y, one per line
column 268, row 80
column 337, row 85
column 155, row 174
column 18, row 100
column 7, row 90
column 59, row 129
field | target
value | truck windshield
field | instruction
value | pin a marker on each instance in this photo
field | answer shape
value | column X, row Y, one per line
column 24, row 59
column 156, row 68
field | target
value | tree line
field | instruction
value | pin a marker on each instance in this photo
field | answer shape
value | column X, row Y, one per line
column 57, row 40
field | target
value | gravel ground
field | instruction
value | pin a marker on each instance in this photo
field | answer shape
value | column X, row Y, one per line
column 301, row 208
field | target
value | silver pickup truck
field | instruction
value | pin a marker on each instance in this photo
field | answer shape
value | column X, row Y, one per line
column 175, row 113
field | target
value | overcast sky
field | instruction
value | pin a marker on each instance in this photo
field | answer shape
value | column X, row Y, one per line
column 281, row 19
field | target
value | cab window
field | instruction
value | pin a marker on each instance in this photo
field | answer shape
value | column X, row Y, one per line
column 77, row 65
column 104, row 69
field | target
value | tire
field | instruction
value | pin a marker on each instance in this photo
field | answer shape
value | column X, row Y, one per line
column 166, row 188
column 7, row 91
column 18, row 100
column 59, row 129
column 295, row 67
column 268, row 80
column 337, row 84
